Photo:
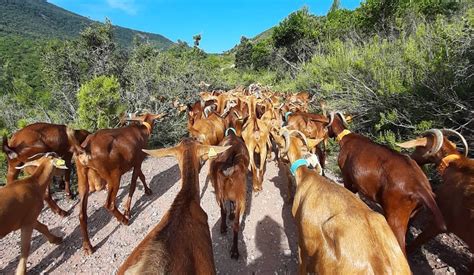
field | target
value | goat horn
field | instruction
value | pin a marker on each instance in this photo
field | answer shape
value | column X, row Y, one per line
column 36, row 155
column 439, row 141
column 331, row 119
column 286, row 135
column 451, row 132
column 344, row 121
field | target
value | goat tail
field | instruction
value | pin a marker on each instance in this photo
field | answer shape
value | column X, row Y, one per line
column 71, row 137
column 427, row 197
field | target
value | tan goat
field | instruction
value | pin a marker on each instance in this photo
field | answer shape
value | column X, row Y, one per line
column 337, row 232
column 21, row 203
column 181, row 242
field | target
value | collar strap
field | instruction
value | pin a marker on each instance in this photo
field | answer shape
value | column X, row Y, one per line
column 230, row 129
column 342, row 134
column 297, row 164
column 287, row 114
column 446, row 161
column 148, row 126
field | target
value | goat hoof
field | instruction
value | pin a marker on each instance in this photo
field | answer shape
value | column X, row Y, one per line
column 56, row 240
column 125, row 221
column 88, row 249
column 148, row 191
column 234, row 254
column 231, row 216
column 63, row 213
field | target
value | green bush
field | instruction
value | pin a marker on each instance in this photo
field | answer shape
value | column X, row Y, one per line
column 99, row 103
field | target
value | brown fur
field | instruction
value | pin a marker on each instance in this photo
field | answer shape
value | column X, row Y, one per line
column 337, row 232
column 385, row 176
column 40, row 138
column 20, row 205
column 455, row 197
column 103, row 158
column 228, row 174
column 181, row 242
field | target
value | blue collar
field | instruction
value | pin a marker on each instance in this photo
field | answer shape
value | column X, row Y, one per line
column 231, row 129
column 297, row 164
column 287, row 114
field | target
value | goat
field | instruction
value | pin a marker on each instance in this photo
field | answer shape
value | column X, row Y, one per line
column 103, row 158
column 181, row 242
column 313, row 126
column 256, row 134
column 210, row 130
column 455, row 197
column 21, row 202
column 384, row 176
column 40, row 138
column 228, row 174
column 337, row 232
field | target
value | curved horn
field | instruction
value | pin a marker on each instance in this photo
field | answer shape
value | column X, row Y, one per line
column 286, row 135
column 331, row 119
column 439, row 141
column 344, row 121
column 37, row 155
column 301, row 134
column 451, row 132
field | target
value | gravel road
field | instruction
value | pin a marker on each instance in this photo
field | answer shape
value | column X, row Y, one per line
column 268, row 244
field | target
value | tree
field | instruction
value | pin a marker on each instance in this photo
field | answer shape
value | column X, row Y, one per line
column 243, row 54
column 197, row 39
column 99, row 103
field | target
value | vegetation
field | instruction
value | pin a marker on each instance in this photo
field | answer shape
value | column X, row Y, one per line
column 399, row 67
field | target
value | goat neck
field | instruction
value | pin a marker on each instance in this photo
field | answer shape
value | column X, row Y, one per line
column 337, row 129
column 44, row 174
column 294, row 154
column 189, row 167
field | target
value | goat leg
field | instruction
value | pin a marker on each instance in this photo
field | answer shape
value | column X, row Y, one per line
column 133, row 185
column 142, row 178
column 43, row 229
column 53, row 205
column 83, row 188
column 234, row 251
column 428, row 233
column 26, row 232
column 223, row 217
column 110, row 203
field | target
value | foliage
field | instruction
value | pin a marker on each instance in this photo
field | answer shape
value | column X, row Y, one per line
column 99, row 103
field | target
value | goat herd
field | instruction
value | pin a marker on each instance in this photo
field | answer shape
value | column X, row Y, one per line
column 237, row 131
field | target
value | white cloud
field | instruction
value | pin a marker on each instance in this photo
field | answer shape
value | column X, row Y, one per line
column 127, row 6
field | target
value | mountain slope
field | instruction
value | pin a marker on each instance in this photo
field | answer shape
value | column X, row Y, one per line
column 40, row 19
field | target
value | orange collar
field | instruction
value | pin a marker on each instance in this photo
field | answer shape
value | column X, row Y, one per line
column 446, row 161
column 342, row 134
column 148, row 126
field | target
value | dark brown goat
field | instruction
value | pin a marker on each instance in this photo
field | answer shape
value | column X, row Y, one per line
column 228, row 174
column 40, row 138
column 455, row 197
column 181, row 242
column 384, row 176
column 103, row 158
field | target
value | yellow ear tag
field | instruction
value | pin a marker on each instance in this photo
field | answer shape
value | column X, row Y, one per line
column 312, row 142
column 59, row 162
column 212, row 153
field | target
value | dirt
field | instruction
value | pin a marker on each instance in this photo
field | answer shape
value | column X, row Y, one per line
column 268, row 244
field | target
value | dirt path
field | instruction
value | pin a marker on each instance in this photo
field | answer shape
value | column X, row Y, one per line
column 268, row 245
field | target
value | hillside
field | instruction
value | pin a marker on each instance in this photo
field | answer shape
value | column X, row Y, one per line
column 40, row 19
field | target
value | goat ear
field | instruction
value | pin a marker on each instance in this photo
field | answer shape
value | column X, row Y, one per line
column 159, row 153
column 313, row 142
column 210, row 152
column 11, row 154
column 158, row 116
column 414, row 143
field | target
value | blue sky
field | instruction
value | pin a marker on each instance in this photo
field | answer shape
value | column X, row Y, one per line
column 221, row 23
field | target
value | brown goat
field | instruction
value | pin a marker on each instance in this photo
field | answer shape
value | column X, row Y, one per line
column 313, row 126
column 181, row 242
column 208, row 131
column 384, row 176
column 103, row 158
column 40, row 138
column 228, row 174
column 455, row 197
column 21, row 202
column 337, row 232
